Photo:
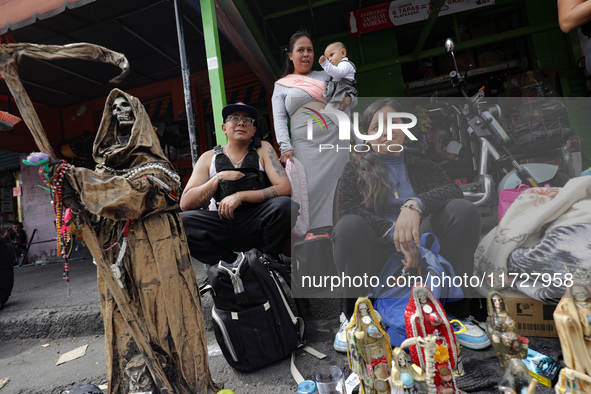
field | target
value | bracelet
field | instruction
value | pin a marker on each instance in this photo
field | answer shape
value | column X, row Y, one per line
column 412, row 207
column 239, row 200
column 217, row 177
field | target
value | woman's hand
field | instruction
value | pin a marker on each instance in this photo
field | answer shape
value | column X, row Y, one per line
column 411, row 257
column 227, row 206
column 406, row 231
column 289, row 155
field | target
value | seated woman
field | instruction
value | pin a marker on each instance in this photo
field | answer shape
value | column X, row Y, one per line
column 383, row 195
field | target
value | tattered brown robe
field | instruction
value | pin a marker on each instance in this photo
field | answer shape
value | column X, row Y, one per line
column 160, row 278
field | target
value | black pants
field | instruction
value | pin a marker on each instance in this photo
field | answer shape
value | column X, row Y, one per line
column 6, row 272
column 358, row 250
column 264, row 226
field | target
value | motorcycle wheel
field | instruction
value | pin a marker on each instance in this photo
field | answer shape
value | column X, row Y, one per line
column 559, row 180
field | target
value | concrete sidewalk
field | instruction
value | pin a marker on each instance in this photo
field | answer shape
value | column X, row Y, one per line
column 45, row 310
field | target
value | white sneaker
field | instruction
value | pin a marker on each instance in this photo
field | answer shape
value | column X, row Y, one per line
column 340, row 339
column 474, row 337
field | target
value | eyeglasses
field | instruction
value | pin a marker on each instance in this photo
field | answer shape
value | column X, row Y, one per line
column 236, row 119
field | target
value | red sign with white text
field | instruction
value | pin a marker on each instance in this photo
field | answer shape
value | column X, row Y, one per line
column 400, row 12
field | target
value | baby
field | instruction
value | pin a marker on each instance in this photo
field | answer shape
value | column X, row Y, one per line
column 339, row 89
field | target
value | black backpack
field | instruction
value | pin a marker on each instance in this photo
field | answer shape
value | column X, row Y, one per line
column 253, row 322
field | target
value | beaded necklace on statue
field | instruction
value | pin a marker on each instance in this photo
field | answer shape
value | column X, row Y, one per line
column 57, row 182
column 150, row 167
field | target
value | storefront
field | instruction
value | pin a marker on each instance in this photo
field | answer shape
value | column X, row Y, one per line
column 502, row 40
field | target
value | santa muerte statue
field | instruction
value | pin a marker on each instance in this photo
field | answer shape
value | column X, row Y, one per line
column 134, row 193
column 154, row 329
column 424, row 316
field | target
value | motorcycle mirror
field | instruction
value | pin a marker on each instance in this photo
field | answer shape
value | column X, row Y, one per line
column 449, row 45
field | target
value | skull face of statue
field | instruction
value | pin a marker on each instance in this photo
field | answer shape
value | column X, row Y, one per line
column 402, row 359
column 363, row 309
column 579, row 293
column 422, row 295
column 121, row 110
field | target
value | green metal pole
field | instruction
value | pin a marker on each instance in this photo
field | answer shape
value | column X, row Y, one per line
column 214, row 66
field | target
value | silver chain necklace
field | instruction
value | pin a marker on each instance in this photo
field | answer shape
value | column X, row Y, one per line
column 236, row 164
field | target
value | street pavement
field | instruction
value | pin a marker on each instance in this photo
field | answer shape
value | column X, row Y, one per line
column 46, row 317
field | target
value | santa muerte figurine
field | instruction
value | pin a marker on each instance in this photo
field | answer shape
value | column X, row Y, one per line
column 500, row 328
column 573, row 323
column 134, row 194
column 368, row 349
column 516, row 379
column 424, row 316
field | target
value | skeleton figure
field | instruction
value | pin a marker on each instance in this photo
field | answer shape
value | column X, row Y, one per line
column 138, row 375
column 573, row 323
column 134, row 193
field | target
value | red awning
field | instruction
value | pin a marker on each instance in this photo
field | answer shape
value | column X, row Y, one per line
column 19, row 13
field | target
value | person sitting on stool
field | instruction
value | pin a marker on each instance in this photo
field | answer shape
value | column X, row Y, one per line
column 247, row 190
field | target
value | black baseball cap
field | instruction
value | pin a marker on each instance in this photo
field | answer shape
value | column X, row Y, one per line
column 231, row 108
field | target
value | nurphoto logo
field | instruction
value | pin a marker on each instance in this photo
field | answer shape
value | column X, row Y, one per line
column 344, row 125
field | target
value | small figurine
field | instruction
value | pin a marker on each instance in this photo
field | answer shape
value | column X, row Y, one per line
column 500, row 328
column 516, row 379
column 404, row 377
column 572, row 318
column 368, row 349
column 425, row 316
column 138, row 375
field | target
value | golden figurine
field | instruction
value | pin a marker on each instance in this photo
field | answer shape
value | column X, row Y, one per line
column 500, row 328
column 368, row 349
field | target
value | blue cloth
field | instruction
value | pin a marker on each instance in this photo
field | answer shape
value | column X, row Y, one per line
column 390, row 301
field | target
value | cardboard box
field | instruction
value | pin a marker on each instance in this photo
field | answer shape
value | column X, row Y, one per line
column 534, row 318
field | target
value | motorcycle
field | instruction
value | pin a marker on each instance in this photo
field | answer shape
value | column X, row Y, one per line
column 490, row 144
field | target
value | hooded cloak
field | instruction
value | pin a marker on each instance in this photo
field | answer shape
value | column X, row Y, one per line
column 159, row 276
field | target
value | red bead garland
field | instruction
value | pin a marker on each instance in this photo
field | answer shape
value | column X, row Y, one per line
column 57, row 182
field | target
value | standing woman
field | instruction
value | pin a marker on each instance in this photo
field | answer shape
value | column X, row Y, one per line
column 296, row 96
